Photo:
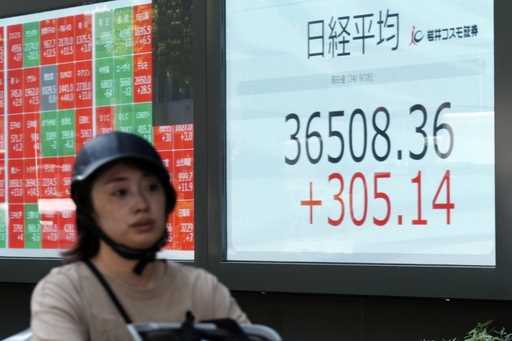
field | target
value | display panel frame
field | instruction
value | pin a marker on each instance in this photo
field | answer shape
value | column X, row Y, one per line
column 477, row 282
column 28, row 269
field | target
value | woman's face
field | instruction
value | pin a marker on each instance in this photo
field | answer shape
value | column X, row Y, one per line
column 129, row 205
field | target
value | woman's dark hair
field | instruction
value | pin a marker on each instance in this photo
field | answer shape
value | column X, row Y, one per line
column 87, row 242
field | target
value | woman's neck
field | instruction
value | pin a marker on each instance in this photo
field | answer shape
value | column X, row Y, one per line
column 113, row 265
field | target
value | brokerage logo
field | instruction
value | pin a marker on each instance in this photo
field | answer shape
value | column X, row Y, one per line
column 416, row 36
column 441, row 34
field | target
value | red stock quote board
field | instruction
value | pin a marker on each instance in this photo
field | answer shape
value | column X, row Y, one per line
column 67, row 76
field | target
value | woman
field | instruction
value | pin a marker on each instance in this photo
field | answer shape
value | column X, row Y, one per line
column 123, row 196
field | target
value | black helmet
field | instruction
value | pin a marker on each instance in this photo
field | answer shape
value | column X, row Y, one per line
column 116, row 146
column 95, row 156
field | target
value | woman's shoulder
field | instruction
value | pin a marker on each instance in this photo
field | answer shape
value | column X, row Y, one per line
column 189, row 273
column 208, row 296
column 61, row 290
column 70, row 272
column 65, row 278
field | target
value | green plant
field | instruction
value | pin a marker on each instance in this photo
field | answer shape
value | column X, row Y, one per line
column 484, row 332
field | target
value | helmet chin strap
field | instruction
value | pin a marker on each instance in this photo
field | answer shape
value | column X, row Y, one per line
column 144, row 256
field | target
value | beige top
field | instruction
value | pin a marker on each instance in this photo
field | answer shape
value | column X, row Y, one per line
column 71, row 304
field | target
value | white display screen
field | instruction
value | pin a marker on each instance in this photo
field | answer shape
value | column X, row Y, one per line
column 360, row 132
